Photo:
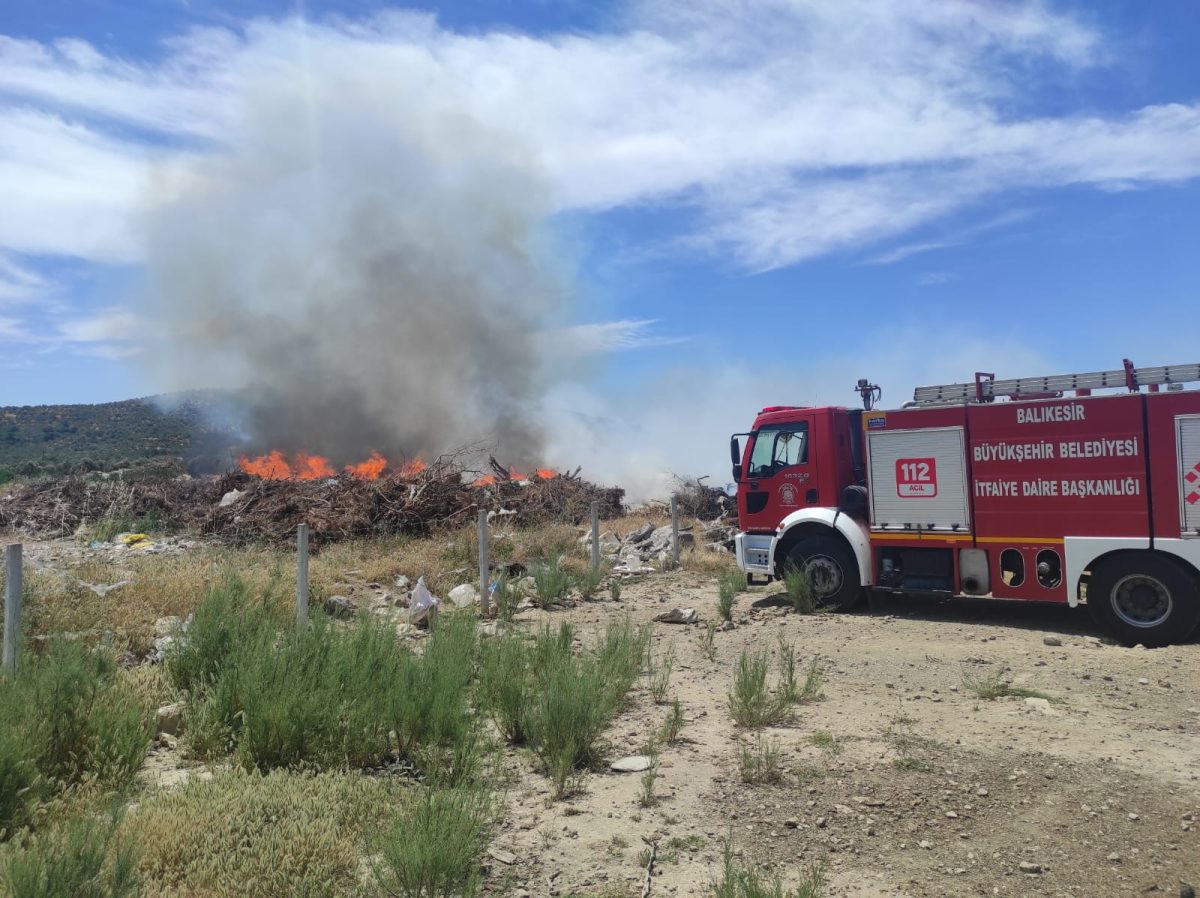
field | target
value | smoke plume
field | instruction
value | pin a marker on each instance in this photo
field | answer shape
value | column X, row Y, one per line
column 360, row 256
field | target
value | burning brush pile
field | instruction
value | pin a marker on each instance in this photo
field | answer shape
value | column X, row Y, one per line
column 270, row 495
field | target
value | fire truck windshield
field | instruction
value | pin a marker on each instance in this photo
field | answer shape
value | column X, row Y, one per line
column 778, row 446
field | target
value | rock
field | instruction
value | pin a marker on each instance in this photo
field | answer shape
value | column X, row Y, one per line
column 167, row 626
column 162, row 645
column 1142, row 681
column 1041, row 704
column 170, row 718
column 641, row 535
column 1134, row 817
column 926, row 844
column 504, row 857
column 727, row 626
column 402, row 582
column 821, row 822
column 1029, row 867
column 791, row 823
column 1186, row 891
column 230, row 497
column 527, row 586
column 465, row 595
column 678, row 616
column 1051, row 640
column 1114, row 858
column 631, row 764
column 340, row 607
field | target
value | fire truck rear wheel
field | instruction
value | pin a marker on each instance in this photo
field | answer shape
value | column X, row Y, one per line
column 1146, row 598
column 832, row 570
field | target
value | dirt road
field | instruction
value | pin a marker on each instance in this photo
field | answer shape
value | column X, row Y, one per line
column 902, row 780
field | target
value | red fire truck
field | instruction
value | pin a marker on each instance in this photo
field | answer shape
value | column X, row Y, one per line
column 1041, row 489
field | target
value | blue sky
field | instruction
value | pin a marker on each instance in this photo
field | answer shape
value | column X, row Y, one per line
column 745, row 203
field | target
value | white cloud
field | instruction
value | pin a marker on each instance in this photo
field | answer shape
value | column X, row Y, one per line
column 793, row 128
column 611, row 336
column 19, row 283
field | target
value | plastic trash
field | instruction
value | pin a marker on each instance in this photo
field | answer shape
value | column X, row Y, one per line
column 424, row 605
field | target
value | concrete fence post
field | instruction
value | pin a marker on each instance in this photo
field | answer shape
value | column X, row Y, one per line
column 301, row 575
column 12, row 606
column 675, row 530
column 595, row 535
column 485, row 584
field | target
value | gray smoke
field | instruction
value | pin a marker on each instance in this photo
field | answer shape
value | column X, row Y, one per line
column 363, row 259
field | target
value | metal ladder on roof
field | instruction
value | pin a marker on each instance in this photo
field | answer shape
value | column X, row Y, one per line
column 987, row 389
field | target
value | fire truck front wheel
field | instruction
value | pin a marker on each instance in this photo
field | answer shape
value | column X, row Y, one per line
column 1146, row 598
column 832, row 570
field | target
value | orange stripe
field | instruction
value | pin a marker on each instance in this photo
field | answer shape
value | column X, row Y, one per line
column 923, row 534
column 1022, row 540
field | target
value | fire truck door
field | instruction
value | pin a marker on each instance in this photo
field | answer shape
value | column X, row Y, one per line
column 782, row 474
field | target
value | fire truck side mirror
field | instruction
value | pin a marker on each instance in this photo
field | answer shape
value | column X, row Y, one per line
column 737, row 473
column 735, row 450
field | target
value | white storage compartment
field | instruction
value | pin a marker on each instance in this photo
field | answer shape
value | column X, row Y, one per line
column 918, row 479
column 1187, row 428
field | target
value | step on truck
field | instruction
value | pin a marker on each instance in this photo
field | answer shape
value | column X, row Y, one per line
column 1077, row 488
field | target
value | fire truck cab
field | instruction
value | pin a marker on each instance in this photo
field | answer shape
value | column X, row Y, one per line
column 1035, row 489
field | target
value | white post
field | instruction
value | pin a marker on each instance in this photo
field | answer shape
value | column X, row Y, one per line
column 595, row 535
column 484, row 574
column 301, row 575
column 675, row 530
column 12, row 606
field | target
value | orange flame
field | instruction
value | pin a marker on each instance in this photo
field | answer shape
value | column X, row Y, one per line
column 311, row 467
column 369, row 469
column 412, row 468
column 272, row 466
column 486, row 480
column 545, row 474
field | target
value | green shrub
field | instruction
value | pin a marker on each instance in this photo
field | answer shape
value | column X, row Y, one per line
column 707, row 641
column 799, row 590
column 504, row 684
column 81, row 858
column 66, row 717
column 761, row 762
column 506, row 598
column 228, row 623
column 737, row 881
column 551, row 581
column 674, row 723
column 566, row 699
column 433, row 849
column 325, row 695
column 729, row 585
column 660, row 673
column 750, row 702
column 19, row 778
column 589, row 582
column 318, row 697
column 614, row 589
column 250, row 835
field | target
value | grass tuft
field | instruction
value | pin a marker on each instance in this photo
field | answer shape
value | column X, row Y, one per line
column 433, row 849
column 799, row 590
column 79, row 858
column 66, row 718
column 740, row 881
column 761, row 762
column 551, row 581
column 992, row 687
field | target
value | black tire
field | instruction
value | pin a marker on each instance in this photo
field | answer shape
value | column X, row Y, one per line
column 1144, row 597
column 832, row 569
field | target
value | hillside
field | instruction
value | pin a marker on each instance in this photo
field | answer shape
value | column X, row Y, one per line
column 54, row 439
